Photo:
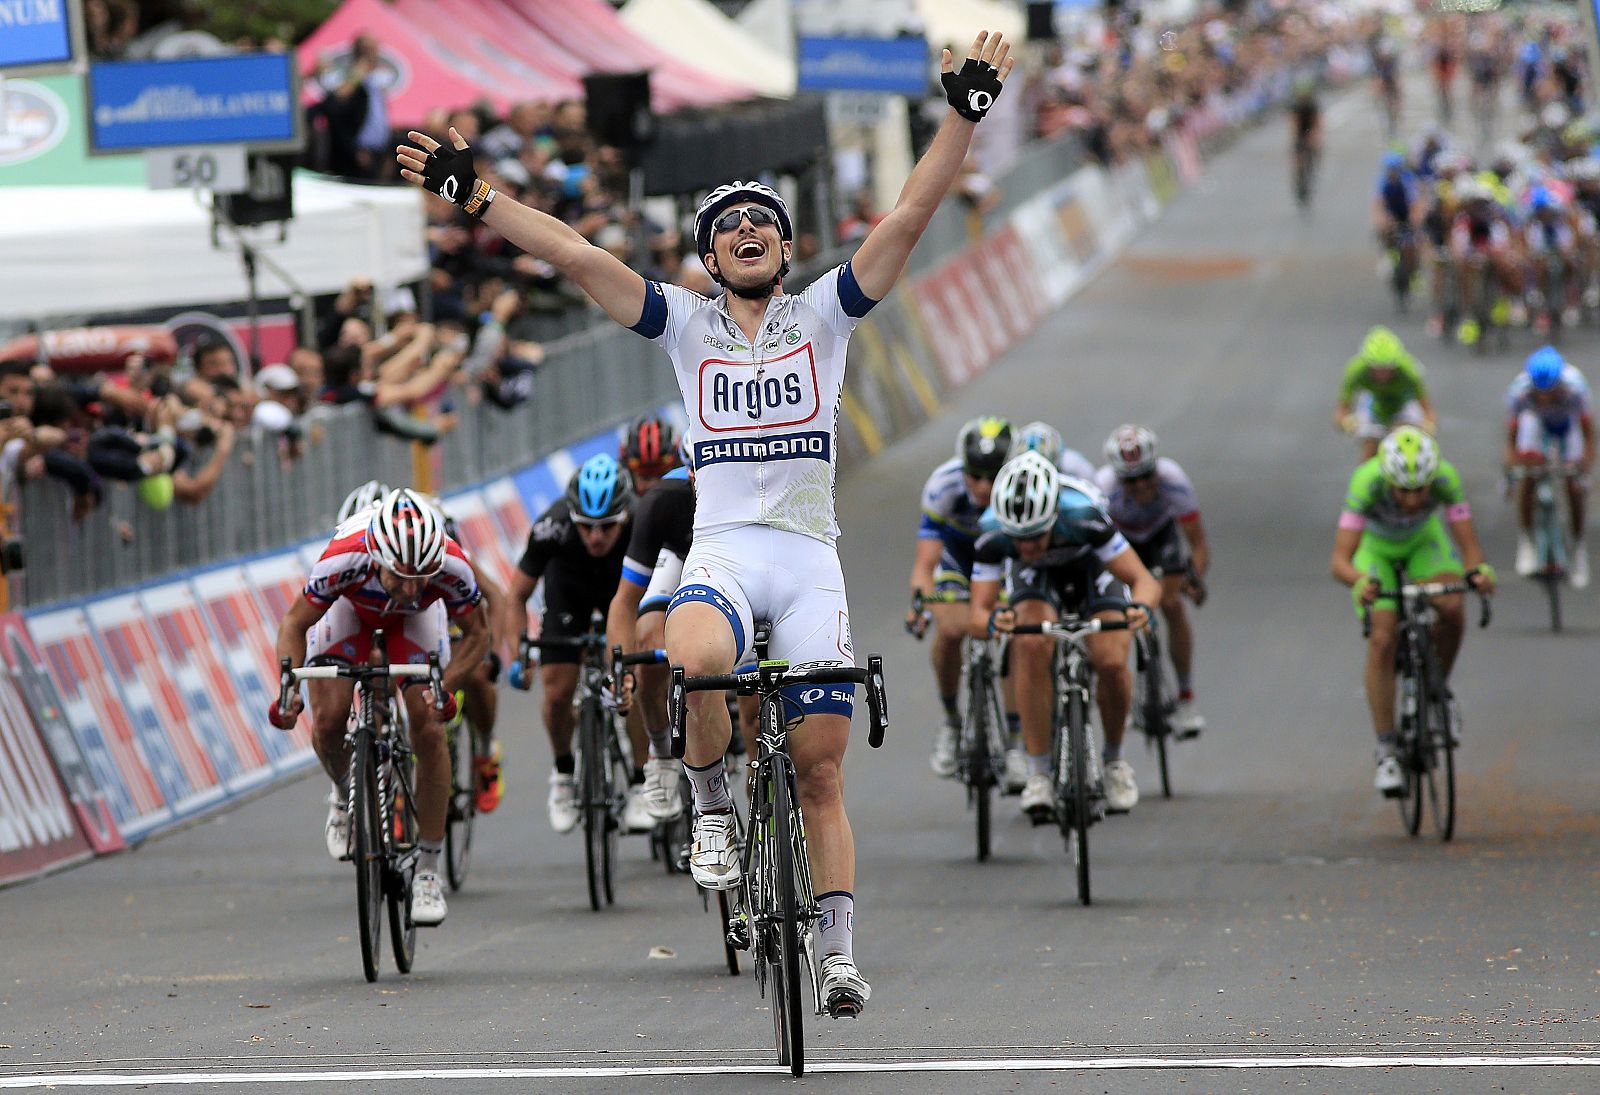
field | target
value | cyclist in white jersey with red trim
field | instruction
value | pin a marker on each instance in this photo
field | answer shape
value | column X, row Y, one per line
column 761, row 374
column 390, row 568
column 1154, row 505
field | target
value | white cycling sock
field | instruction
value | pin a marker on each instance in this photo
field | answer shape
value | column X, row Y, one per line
column 1039, row 765
column 836, row 927
column 428, row 856
column 711, row 795
column 660, row 742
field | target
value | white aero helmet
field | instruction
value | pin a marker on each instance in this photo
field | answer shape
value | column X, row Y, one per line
column 1131, row 451
column 1025, row 495
column 360, row 498
column 730, row 194
column 407, row 535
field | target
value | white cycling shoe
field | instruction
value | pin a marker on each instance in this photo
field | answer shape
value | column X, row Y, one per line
column 662, row 794
column 844, row 991
column 1122, row 793
column 1016, row 771
column 714, row 852
column 1527, row 556
column 337, row 828
column 1039, row 798
column 1578, row 570
column 636, row 815
column 1187, row 721
column 1391, row 779
column 427, row 901
column 943, row 760
column 563, row 803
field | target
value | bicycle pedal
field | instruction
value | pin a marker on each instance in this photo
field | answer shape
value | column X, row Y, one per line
column 739, row 935
column 1042, row 816
column 1187, row 735
column 845, row 1005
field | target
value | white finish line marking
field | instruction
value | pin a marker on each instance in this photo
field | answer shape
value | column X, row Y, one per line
column 576, row 1072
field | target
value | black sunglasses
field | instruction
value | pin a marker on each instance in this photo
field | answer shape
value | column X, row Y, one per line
column 759, row 215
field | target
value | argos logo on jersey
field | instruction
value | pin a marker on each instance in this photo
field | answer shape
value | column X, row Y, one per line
column 734, row 397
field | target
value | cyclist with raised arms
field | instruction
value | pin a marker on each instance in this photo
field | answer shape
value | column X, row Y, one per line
column 761, row 373
column 1055, row 542
column 1547, row 406
column 953, row 501
column 1154, row 505
column 1382, row 388
column 575, row 548
column 1391, row 519
column 396, row 572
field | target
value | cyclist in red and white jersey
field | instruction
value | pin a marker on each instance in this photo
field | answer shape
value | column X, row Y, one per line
column 399, row 573
column 761, row 373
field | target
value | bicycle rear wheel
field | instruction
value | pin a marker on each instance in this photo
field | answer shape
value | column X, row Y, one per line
column 367, row 818
column 787, row 1016
column 400, row 839
column 463, row 805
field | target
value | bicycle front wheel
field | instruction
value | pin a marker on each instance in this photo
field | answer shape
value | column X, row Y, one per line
column 1074, row 806
column 1152, row 707
column 399, row 866
column 463, row 806
column 595, row 798
column 977, row 762
column 787, row 1017
column 366, row 816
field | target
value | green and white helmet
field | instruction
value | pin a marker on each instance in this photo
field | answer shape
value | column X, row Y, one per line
column 1409, row 458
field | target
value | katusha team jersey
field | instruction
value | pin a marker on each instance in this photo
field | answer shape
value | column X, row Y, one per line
column 347, row 570
column 763, row 417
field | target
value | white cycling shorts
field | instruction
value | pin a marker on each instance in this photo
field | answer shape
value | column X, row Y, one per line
column 1367, row 424
column 663, row 582
column 1532, row 432
column 756, row 572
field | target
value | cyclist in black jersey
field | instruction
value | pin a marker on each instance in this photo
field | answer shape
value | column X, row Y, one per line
column 576, row 547
column 1305, row 127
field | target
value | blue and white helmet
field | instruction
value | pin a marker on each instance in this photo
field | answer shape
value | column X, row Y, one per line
column 730, row 194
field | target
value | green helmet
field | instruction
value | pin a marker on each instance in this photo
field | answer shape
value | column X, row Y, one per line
column 1409, row 458
column 1382, row 347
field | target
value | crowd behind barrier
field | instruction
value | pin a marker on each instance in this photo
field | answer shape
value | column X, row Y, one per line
column 126, row 712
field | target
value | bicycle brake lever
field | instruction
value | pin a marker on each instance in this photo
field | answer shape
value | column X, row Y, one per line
column 436, row 681
column 877, row 701
column 285, row 684
column 677, row 711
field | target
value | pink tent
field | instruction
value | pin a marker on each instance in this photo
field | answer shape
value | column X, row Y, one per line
column 591, row 32
column 428, row 72
column 472, row 32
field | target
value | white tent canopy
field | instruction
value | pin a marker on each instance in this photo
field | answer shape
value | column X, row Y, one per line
column 957, row 22
column 124, row 248
column 694, row 29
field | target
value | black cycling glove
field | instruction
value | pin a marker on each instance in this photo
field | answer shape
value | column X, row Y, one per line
column 448, row 172
column 973, row 89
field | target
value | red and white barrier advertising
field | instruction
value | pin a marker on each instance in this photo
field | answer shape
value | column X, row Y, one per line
column 246, row 641
column 135, row 784
column 25, row 669
column 38, row 829
column 505, row 503
column 480, row 535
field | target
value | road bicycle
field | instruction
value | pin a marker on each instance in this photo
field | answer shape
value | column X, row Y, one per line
column 382, row 795
column 462, row 812
column 774, row 912
column 981, row 748
column 1079, row 799
column 1426, row 750
column 600, row 758
column 1552, row 540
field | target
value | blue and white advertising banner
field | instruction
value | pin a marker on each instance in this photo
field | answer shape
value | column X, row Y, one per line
column 37, row 33
column 889, row 66
column 249, row 99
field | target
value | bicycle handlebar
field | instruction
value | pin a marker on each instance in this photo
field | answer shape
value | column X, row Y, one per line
column 1064, row 632
column 1413, row 590
column 769, row 678
column 289, row 675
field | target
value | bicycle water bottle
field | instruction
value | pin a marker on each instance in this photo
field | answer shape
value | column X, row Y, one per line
column 1408, row 703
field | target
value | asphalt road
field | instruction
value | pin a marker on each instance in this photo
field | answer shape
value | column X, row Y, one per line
column 1273, row 912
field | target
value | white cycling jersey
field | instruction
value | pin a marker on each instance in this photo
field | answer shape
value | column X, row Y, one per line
column 763, row 418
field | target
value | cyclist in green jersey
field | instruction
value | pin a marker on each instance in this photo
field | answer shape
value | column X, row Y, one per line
column 1392, row 518
column 1383, row 388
